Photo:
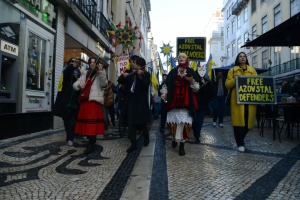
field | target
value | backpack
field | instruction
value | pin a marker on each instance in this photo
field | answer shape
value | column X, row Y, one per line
column 108, row 96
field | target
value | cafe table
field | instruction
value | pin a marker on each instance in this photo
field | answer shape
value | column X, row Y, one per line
column 289, row 116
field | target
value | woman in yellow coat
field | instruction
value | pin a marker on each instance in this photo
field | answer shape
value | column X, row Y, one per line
column 242, row 115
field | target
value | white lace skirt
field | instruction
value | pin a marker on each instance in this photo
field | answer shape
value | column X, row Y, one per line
column 179, row 115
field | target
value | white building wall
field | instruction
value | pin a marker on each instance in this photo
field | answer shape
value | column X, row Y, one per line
column 235, row 36
column 59, row 58
column 214, row 37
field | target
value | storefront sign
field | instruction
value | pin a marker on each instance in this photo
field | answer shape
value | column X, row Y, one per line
column 9, row 48
column 121, row 62
column 36, row 102
column 193, row 47
column 256, row 90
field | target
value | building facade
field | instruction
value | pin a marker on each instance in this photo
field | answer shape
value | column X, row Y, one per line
column 214, row 32
column 39, row 37
column 245, row 20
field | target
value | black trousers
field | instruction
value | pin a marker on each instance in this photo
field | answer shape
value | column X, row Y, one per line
column 163, row 115
column 112, row 113
column 132, row 132
column 240, row 132
column 69, row 123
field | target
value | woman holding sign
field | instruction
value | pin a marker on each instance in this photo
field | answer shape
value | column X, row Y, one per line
column 242, row 115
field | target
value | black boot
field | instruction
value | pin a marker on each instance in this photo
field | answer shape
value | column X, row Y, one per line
column 89, row 149
column 174, row 143
column 197, row 140
column 181, row 149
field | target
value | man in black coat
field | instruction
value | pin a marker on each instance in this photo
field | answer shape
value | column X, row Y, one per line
column 136, row 106
column 122, row 88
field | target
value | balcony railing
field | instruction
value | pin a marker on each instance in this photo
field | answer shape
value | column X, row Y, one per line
column 285, row 67
column 238, row 6
column 102, row 24
column 217, row 35
column 89, row 9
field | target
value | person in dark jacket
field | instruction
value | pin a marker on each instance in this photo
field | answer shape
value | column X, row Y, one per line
column 122, row 90
column 66, row 104
column 136, row 106
column 220, row 93
column 296, row 86
column 204, row 95
column 286, row 87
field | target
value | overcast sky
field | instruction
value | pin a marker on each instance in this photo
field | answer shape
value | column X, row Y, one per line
column 179, row 18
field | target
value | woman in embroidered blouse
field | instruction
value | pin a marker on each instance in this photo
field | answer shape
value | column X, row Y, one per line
column 180, row 94
column 90, row 120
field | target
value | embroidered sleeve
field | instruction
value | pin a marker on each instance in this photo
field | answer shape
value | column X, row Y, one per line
column 195, row 86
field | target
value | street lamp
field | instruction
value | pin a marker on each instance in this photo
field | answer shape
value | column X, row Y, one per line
column 248, row 40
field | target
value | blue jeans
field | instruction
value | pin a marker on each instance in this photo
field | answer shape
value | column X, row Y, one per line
column 156, row 108
column 211, row 106
column 219, row 109
column 197, row 123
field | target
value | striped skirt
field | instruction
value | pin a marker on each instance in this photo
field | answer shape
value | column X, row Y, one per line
column 90, row 120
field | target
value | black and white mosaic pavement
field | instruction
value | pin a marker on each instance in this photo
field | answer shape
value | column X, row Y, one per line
column 215, row 170
column 42, row 166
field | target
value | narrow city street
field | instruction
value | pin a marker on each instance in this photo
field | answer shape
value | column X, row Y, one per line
column 42, row 166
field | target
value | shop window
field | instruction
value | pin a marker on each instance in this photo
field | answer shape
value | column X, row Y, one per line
column 36, row 62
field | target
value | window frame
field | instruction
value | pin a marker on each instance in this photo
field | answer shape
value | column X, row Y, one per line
column 278, row 13
column 264, row 24
column 264, row 56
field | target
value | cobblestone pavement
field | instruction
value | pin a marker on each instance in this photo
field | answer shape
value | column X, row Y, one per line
column 42, row 166
column 215, row 170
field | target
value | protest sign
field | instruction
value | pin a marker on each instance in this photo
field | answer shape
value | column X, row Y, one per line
column 121, row 62
column 256, row 90
column 193, row 47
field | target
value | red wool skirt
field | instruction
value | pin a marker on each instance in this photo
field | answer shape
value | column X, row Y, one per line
column 90, row 119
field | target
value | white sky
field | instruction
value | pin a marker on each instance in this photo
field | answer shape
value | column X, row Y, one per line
column 179, row 18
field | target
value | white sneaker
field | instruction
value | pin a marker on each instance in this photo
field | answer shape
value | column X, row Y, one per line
column 241, row 149
column 70, row 143
column 221, row 125
column 214, row 124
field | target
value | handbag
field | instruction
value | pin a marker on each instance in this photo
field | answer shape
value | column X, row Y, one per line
column 85, row 92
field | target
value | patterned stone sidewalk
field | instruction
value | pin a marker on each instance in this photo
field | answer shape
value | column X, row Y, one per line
column 215, row 170
column 41, row 166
